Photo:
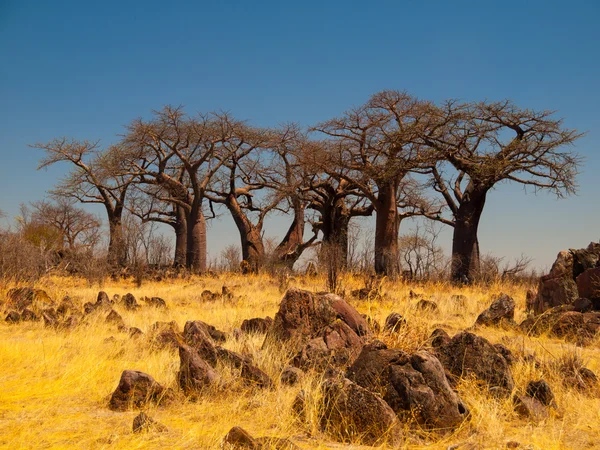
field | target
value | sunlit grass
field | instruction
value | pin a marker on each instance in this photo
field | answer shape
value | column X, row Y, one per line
column 55, row 385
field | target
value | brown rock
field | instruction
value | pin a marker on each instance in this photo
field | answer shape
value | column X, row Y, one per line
column 394, row 322
column 530, row 408
column 467, row 354
column 135, row 390
column 115, row 319
column 194, row 374
column 501, row 311
column 291, row 375
column 303, row 314
column 130, row 302
column 541, row 391
column 29, row 316
column 145, row 423
column 554, row 291
column 427, row 305
column 350, row 412
column 254, row 376
column 238, row 438
column 13, row 317
column 588, row 286
column 257, row 325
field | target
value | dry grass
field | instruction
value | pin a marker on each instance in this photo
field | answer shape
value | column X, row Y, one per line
column 55, row 385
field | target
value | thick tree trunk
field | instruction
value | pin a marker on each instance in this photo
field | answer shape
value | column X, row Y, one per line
column 181, row 235
column 335, row 222
column 290, row 248
column 196, row 239
column 465, row 246
column 117, row 250
column 253, row 250
column 387, row 223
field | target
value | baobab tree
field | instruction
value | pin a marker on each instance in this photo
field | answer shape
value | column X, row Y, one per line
column 479, row 145
column 89, row 182
column 171, row 142
column 371, row 147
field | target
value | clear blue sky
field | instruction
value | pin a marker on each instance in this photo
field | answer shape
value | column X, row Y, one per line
column 84, row 69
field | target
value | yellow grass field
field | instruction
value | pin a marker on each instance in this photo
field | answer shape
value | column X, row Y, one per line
column 55, row 385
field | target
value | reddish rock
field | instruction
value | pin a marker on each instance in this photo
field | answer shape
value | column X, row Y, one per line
column 135, row 390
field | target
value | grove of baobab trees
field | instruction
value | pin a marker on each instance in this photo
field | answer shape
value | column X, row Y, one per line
column 394, row 157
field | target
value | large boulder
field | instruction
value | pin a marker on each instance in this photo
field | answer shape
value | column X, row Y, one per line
column 588, row 286
column 303, row 314
column 137, row 389
column 196, row 334
column 194, row 374
column 335, row 345
column 413, row 385
column 468, row 354
column 350, row 412
column 500, row 312
column 553, row 292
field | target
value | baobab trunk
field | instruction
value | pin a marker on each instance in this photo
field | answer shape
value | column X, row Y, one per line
column 290, row 248
column 336, row 221
column 117, row 251
column 387, row 223
column 465, row 246
column 181, row 235
column 253, row 250
column 196, row 239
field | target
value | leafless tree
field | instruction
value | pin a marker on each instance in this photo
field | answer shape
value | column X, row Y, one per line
column 371, row 148
column 159, row 148
column 481, row 144
column 89, row 182
column 420, row 252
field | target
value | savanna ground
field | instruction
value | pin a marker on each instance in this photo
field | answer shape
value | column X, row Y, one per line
column 55, row 385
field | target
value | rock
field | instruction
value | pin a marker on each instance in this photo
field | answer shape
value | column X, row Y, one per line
column 135, row 332
column 459, row 299
column 469, row 354
column 13, row 317
column 501, row 311
column 130, row 302
column 197, row 326
column 25, row 297
column 413, row 385
column 254, row 376
column 238, row 438
column 580, row 378
column 335, row 345
column 145, row 423
column 541, row 391
column 588, row 286
column 226, row 293
column 303, row 314
column 530, row 408
column 115, row 318
column 426, row 305
column 195, row 374
column 554, row 292
column 291, row 375
column 66, row 306
column 394, row 322
column 582, row 305
column 159, row 326
column 412, row 294
column 135, row 390
column 231, row 358
column 506, row 353
column 195, row 334
column 29, row 316
column 155, row 302
column 530, row 300
column 209, row 296
column 585, row 259
column 257, row 325
column 88, row 308
column 439, row 337
column 102, row 301
column 569, row 324
column 350, row 412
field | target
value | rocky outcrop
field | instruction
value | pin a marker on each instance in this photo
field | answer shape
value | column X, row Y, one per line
column 500, row 312
column 415, row 386
column 137, row 389
column 468, row 354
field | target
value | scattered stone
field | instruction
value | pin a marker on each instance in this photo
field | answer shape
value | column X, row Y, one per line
column 500, row 312
column 336, row 345
column 439, row 337
column 29, row 316
column 155, row 302
column 135, row 390
column 413, row 385
column 257, row 325
column 238, row 438
column 209, row 296
column 582, row 305
column 13, row 317
column 530, row 408
column 66, row 306
column 226, row 293
column 232, row 358
column 25, row 297
column 102, row 301
column 350, row 412
column 115, row 319
column 130, row 302
column 394, row 322
column 195, row 374
column 135, row 332
column 88, row 308
column 291, row 376
column 303, row 314
column 412, row 295
column 541, row 391
column 195, row 334
column 469, row 354
column 144, row 423
column 426, row 305
column 254, row 376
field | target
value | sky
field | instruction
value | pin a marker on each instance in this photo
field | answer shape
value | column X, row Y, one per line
column 86, row 69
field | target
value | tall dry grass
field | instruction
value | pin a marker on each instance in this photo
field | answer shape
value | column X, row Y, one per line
column 55, row 385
